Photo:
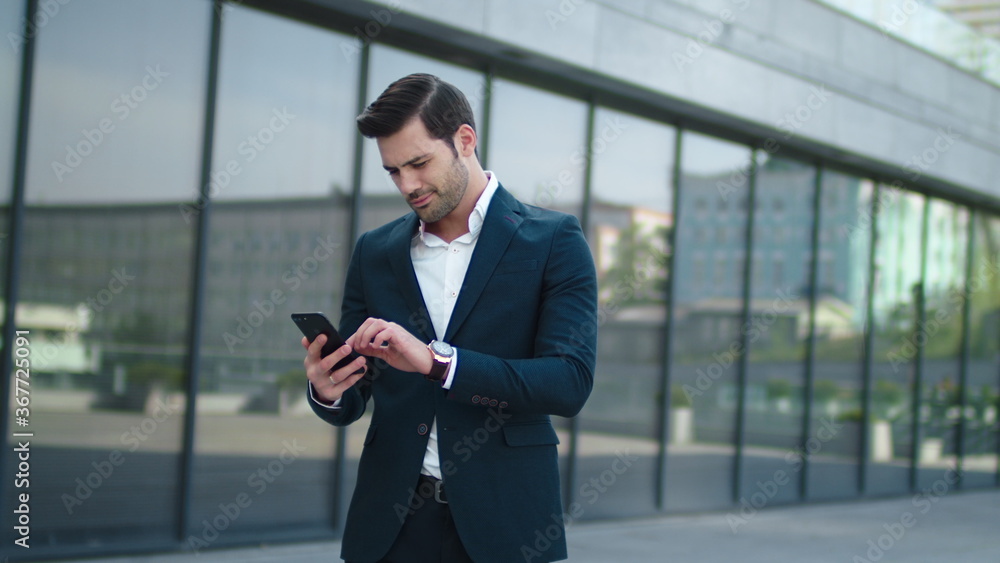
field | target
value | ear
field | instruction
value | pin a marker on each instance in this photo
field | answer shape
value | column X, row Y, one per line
column 465, row 140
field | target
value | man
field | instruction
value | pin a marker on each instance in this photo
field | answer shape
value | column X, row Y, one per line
column 471, row 312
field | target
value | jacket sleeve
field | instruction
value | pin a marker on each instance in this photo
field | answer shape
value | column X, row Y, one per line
column 353, row 312
column 559, row 377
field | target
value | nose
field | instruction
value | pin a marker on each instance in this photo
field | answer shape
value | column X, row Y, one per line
column 408, row 181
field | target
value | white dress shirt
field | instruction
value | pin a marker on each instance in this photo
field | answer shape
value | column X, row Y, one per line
column 440, row 268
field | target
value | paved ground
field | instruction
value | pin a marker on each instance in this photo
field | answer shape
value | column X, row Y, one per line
column 930, row 528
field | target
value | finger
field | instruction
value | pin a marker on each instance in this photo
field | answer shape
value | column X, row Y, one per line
column 368, row 325
column 313, row 358
column 351, row 369
column 333, row 385
column 339, row 387
column 317, row 368
column 312, row 355
column 339, row 354
column 364, row 336
column 352, row 340
column 316, row 347
column 383, row 337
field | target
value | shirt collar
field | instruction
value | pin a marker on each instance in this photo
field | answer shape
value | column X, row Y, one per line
column 476, row 218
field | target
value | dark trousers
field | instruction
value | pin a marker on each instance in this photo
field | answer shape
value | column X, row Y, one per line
column 428, row 534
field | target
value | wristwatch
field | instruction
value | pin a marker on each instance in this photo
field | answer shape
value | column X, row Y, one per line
column 442, row 353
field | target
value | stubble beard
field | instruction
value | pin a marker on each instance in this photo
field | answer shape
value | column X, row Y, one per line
column 449, row 194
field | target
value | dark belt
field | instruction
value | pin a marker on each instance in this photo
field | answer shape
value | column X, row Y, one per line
column 427, row 484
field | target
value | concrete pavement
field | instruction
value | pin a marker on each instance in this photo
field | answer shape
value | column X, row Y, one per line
column 957, row 527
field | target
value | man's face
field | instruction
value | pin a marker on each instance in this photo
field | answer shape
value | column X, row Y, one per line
column 425, row 170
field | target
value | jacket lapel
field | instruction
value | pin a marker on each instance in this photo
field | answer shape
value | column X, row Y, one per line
column 406, row 278
column 503, row 217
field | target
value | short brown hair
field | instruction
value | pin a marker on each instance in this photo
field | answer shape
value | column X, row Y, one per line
column 442, row 108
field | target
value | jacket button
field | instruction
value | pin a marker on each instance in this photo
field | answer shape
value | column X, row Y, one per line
column 493, row 402
column 503, row 404
column 475, row 399
column 422, row 429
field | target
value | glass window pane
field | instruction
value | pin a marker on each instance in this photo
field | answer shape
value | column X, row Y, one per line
column 96, row 102
column 941, row 337
column 778, row 326
column 845, row 238
column 11, row 28
column 277, row 244
column 537, row 145
column 630, row 218
column 284, row 121
column 106, row 273
column 981, row 463
column 898, row 274
column 707, row 314
column 381, row 200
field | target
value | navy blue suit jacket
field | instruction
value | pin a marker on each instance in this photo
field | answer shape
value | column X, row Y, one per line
column 525, row 327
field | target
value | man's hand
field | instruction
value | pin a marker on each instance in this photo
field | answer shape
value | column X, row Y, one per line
column 392, row 343
column 331, row 385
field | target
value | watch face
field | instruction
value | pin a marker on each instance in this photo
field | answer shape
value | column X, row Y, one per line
column 442, row 348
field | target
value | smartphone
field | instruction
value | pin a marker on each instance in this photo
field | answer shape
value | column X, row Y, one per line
column 315, row 324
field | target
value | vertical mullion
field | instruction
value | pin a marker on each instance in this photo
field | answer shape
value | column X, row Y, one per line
column 741, row 374
column 354, row 223
column 866, row 369
column 16, row 230
column 666, row 397
column 198, row 278
column 574, row 422
column 484, row 127
column 588, row 166
column 917, row 391
column 339, row 462
column 807, row 411
column 963, row 369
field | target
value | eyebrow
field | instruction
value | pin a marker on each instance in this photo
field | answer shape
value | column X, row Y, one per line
column 407, row 163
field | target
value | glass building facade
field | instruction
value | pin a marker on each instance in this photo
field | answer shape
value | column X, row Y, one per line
column 775, row 326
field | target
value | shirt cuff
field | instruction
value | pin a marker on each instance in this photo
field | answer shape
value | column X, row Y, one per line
column 334, row 406
column 448, row 379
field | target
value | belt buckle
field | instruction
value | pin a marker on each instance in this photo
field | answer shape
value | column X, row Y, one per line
column 438, row 488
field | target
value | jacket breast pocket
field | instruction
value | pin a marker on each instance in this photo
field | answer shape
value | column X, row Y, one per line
column 536, row 434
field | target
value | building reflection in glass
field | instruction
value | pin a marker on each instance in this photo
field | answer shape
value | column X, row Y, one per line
column 107, row 264
column 940, row 336
column 982, row 389
column 777, row 331
column 630, row 219
column 842, row 272
column 710, row 247
column 896, row 294
column 278, row 243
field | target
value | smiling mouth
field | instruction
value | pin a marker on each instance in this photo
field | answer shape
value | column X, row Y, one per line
column 422, row 200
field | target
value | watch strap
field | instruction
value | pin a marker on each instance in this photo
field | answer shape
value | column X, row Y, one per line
column 439, row 368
